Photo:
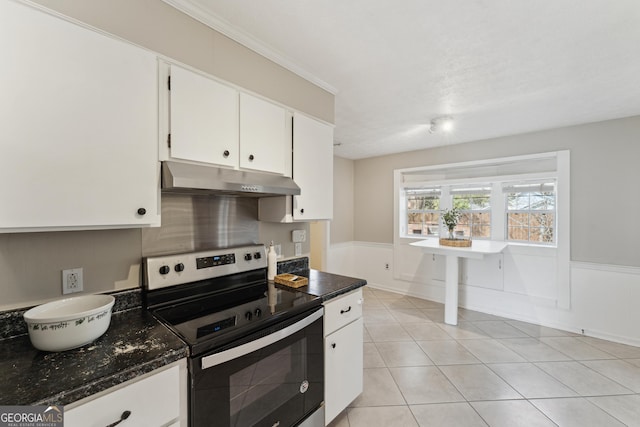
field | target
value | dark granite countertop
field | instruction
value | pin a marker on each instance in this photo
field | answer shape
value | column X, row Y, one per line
column 321, row 284
column 134, row 344
column 328, row 286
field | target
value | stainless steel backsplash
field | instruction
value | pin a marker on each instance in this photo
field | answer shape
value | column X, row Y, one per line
column 199, row 222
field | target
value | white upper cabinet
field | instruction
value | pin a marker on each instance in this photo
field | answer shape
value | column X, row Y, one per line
column 312, row 168
column 204, row 119
column 263, row 140
column 79, row 119
column 211, row 122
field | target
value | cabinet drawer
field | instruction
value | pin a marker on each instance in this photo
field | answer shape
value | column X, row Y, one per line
column 342, row 311
column 153, row 401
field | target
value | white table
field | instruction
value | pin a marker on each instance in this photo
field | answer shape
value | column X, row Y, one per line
column 477, row 250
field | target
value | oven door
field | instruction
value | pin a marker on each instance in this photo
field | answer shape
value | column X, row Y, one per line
column 274, row 377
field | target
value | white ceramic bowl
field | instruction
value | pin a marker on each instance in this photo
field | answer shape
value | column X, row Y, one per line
column 69, row 323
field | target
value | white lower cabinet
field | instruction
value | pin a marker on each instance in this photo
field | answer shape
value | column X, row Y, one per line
column 343, row 353
column 158, row 399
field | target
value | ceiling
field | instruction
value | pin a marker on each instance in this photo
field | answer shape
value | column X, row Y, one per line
column 498, row 67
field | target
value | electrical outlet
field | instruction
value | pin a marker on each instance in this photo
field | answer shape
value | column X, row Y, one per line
column 386, row 266
column 72, row 280
column 278, row 249
column 298, row 249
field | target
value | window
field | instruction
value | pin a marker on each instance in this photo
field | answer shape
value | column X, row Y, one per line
column 423, row 211
column 474, row 204
column 521, row 199
column 531, row 212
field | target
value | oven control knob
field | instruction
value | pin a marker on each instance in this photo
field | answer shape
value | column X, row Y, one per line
column 248, row 257
column 179, row 267
column 257, row 255
column 257, row 313
column 164, row 270
column 248, row 315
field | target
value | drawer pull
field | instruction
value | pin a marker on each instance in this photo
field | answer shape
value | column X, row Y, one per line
column 345, row 311
column 123, row 417
column 333, row 345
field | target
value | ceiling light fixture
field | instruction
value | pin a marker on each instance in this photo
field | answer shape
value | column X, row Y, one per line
column 441, row 124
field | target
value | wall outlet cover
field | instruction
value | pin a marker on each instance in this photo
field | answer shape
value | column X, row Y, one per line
column 72, row 281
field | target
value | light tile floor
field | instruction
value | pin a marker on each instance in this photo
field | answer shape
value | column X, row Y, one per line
column 487, row 371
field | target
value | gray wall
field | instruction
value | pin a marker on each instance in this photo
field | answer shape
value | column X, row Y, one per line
column 605, row 175
column 343, row 201
column 31, row 263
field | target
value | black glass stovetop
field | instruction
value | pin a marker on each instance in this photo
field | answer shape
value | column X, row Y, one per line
column 218, row 317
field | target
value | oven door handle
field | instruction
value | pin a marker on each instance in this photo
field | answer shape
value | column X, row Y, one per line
column 241, row 350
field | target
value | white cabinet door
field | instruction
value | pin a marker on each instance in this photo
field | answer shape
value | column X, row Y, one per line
column 343, row 368
column 79, row 120
column 485, row 273
column 312, row 168
column 263, row 141
column 204, row 119
column 151, row 402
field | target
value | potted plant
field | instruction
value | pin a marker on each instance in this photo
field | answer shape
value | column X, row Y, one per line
column 450, row 220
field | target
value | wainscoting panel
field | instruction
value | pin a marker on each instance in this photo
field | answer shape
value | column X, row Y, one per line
column 603, row 298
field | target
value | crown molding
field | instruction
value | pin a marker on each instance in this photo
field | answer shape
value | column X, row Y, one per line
column 222, row 26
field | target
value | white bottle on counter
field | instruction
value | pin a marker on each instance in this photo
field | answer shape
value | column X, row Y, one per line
column 272, row 263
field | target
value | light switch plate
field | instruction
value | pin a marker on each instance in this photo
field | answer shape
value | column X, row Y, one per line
column 299, row 236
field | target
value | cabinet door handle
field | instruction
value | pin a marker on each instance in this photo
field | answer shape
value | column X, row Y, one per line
column 345, row 311
column 226, row 154
column 123, row 417
column 142, row 211
column 302, row 210
column 333, row 345
column 251, row 157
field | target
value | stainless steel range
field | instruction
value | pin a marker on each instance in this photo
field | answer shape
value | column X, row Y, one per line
column 256, row 349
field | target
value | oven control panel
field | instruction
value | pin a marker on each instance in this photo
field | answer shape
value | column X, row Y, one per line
column 215, row 260
column 169, row 270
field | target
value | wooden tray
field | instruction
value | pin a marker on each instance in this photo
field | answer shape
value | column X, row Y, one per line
column 456, row 243
column 291, row 280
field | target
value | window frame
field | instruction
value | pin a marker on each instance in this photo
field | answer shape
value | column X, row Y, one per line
column 447, row 176
column 537, row 186
column 417, row 190
column 484, row 189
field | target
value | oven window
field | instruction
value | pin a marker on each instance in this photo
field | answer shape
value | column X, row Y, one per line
column 267, row 383
column 281, row 383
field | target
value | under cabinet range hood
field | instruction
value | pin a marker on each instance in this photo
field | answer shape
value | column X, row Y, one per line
column 199, row 179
